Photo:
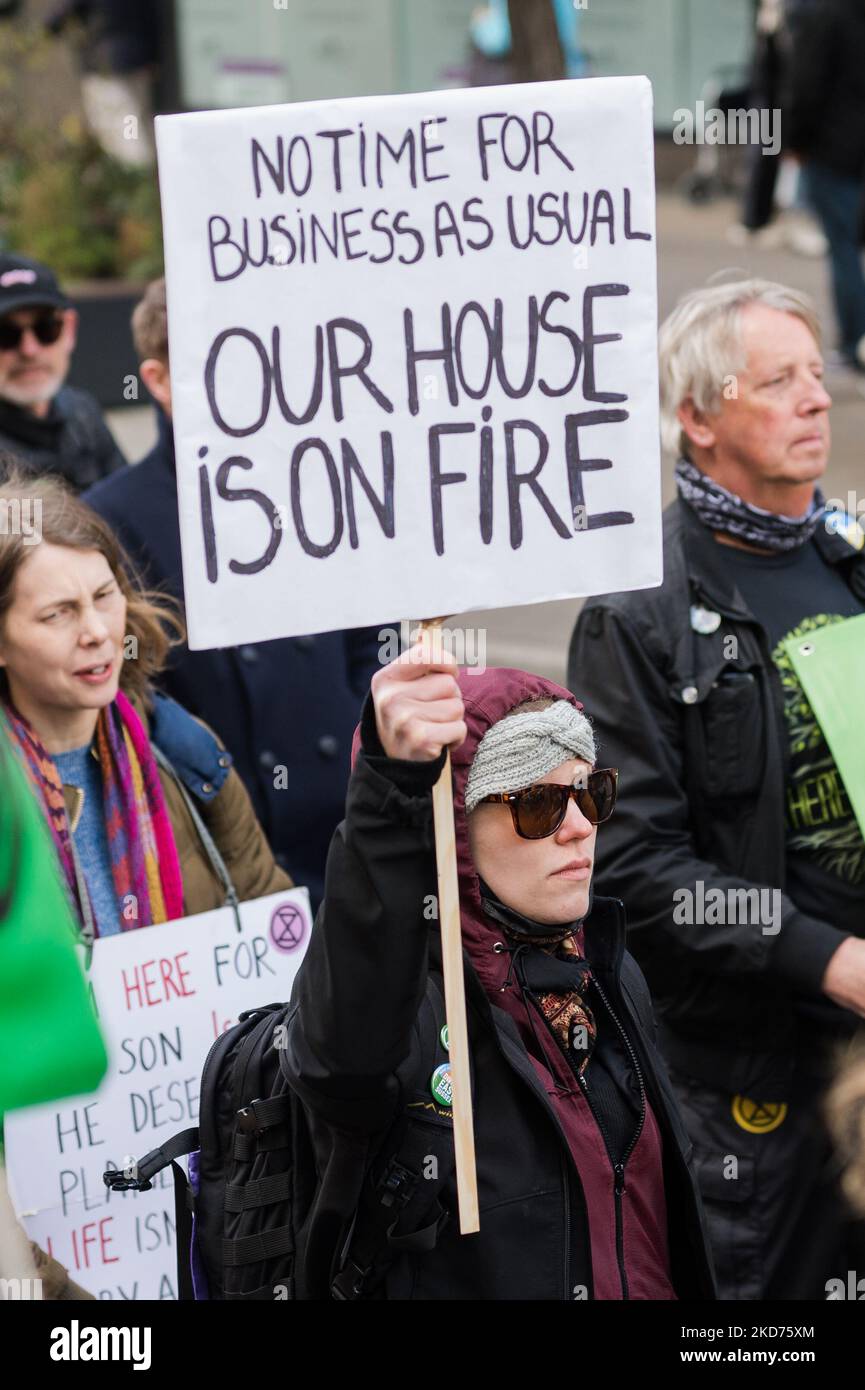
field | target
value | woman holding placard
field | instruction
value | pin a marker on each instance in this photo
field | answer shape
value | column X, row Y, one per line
column 584, row 1176
column 149, row 820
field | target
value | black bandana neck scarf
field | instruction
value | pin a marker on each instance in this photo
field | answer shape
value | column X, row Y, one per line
column 721, row 510
column 551, row 965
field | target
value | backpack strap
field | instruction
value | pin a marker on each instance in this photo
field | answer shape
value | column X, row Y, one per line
column 183, row 1209
column 186, row 1142
column 217, row 862
column 399, row 1212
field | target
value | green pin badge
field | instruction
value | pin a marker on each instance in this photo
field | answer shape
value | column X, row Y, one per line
column 441, row 1085
column 443, row 1038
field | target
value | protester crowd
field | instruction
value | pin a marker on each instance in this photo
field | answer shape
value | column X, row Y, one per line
column 667, row 1104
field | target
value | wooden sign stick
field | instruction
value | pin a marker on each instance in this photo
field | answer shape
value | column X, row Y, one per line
column 455, row 996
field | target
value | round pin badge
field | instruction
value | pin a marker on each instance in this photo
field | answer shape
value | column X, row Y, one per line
column 441, row 1085
column 846, row 526
column 444, row 1038
column 758, row 1117
column 704, row 621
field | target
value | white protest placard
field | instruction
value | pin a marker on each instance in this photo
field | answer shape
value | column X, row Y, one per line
column 413, row 354
column 163, row 995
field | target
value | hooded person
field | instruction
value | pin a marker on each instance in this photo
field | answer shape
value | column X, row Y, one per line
column 585, row 1186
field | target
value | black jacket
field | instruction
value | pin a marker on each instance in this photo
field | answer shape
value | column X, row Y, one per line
column 353, row 1044
column 72, row 441
column 291, row 703
column 824, row 119
column 701, row 746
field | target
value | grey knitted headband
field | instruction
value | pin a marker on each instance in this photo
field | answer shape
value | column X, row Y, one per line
column 520, row 748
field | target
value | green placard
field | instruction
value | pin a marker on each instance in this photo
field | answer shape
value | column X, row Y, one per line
column 830, row 665
column 50, row 1042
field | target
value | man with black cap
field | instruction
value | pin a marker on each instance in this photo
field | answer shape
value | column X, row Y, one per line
column 49, row 427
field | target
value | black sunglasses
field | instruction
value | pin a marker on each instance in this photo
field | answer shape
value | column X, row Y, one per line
column 47, row 329
column 539, row 810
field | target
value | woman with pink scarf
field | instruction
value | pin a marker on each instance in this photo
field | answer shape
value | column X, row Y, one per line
column 149, row 820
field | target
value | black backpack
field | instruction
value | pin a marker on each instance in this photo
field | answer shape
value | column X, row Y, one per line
column 242, row 1215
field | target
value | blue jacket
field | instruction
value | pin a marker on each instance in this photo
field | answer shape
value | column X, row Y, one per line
column 195, row 755
column 292, row 703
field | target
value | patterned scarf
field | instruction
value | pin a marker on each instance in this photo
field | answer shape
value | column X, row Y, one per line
column 560, row 995
column 721, row 510
column 551, row 964
column 144, row 862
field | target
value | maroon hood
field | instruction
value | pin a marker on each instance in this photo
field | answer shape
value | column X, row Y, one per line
column 487, row 696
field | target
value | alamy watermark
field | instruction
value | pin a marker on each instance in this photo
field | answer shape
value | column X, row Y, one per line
column 25, row 1290
column 21, row 516
column 851, row 1288
column 467, row 644
column 77, row 1343
column 742, row 126
column 702, row 906
column 846, row 515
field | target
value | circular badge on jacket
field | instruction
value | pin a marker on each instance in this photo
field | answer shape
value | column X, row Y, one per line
column 758, row 1116
column 704, row 620
column 440, row 1084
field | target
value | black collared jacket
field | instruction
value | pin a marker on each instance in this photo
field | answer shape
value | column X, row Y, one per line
column 700, row 741
column 71, row 441
column 354, row 1055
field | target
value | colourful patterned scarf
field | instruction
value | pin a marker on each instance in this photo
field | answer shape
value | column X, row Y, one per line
column 144, row 861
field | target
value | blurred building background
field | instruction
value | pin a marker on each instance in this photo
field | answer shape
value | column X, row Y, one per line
column 81, row 79
column 251, row 52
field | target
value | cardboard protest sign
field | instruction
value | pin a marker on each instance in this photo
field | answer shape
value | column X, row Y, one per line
column 830, row 665
column 163, row 994
column 413, row 354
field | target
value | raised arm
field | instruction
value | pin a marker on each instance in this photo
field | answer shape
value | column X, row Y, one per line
column 359, row 989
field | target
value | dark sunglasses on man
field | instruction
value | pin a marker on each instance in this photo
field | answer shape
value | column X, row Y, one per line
column 46, row 327
column 539, row 810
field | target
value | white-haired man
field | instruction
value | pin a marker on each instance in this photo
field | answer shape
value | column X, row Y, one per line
column 729, row 786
